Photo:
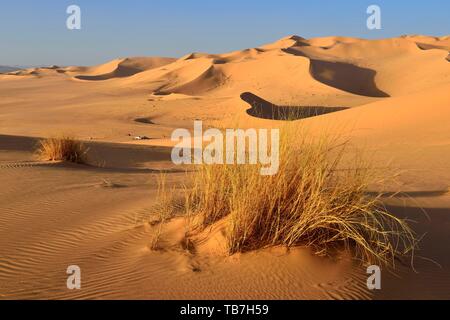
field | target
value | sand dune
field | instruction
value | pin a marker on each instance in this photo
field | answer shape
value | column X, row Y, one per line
column 119, row 68
column 429, row 42
column 390, row 97
column 347, row 77
column 264, row 109
column 235, row 72
column 377, row 68
column 397, row 66
column 409, row 133
column 7, row 69
column 333, row 72
column 328, row 42
column 422, row 118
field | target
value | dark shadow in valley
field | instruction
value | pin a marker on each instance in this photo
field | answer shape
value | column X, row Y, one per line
column 264, row 109
column 101, row 156
column 144, row 120
column 120, row 72
column 343, row 76
column 431, row 262
column 347, row 77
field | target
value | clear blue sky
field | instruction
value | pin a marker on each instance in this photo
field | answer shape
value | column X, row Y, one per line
column 34, row 32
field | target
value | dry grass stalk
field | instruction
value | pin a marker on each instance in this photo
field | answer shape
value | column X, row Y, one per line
column 312, row 201
column 63, row 148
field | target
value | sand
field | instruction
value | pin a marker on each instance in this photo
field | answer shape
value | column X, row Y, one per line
column 391, row 97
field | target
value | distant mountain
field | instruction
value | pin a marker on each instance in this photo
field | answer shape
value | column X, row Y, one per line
column 6, row 69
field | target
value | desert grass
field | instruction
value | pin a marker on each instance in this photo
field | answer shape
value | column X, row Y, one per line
column 155, row 239
column 164, row 211
column 318, row 199
column 64, row 148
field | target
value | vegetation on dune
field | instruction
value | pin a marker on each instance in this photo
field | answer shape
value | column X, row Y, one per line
column 317, row 199
column 62, row 148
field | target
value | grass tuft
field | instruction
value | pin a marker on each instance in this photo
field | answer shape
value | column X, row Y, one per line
column 315, row 200
column 62, row 149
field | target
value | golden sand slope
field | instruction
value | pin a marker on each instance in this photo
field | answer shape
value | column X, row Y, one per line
column 330, row 72
column 428, row 42
column 120, row 68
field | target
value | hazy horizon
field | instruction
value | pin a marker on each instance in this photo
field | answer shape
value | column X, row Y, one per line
column 174, row 28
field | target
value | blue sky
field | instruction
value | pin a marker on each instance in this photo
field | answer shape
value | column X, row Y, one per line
column 34, row 32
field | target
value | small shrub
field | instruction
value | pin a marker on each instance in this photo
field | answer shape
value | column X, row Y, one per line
column 62, row 149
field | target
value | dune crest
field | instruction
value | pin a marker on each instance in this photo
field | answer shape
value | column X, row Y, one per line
column 340, row 66
column 120, row 68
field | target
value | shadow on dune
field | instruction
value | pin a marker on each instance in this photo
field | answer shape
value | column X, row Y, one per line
column 145, row 120
column 120, row 72
column 343, row 76
column 430, row 278
column 346, row 77
column 103, row 155
column 264, row 109
column 17, row 143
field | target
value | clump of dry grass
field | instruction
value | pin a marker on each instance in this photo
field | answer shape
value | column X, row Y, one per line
column 315, row 200
column 63, row 148
column 155, row 239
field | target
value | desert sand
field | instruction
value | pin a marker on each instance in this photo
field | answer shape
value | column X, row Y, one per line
column 390, row 97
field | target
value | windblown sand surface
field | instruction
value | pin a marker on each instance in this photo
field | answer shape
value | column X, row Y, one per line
column 391, row 97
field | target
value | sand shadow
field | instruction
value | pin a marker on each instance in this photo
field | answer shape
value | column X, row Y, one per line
column 119, row 72
column 343, row 76
column 347, row 77
column 431, row 262
column 144, row 120
column 264, row 109
column 103, row 155
column 17, row 143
